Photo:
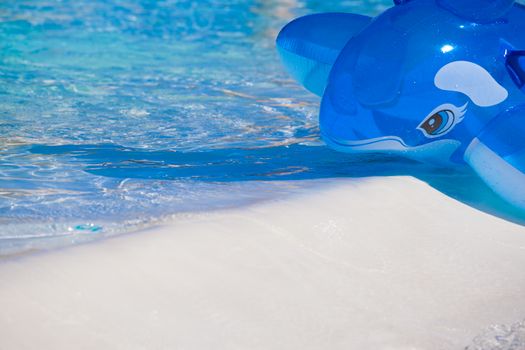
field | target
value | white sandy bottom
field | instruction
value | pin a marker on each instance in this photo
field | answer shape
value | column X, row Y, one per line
column 384, row 263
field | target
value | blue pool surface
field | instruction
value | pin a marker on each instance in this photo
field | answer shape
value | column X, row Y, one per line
column 115, row 114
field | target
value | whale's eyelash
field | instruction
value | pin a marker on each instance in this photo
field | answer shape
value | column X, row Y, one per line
column 442, row 120
column 460, row 111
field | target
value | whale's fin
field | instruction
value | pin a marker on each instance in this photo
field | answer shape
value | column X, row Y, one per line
column 515, row 62
column 482, row 11
column 401, row 2
column 310, row 45
column 497, row 154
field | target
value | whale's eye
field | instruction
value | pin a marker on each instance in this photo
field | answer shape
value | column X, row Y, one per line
column 434, row 125
column 441, row 120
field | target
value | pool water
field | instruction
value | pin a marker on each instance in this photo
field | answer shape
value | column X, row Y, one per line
column 117, row 114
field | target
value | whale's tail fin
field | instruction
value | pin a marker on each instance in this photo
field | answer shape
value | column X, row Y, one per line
column 310, row 45
column 498, row 155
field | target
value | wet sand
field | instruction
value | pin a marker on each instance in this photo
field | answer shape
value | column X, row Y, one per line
column 376, row 263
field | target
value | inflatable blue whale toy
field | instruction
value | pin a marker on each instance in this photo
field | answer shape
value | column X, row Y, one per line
column 439, row 81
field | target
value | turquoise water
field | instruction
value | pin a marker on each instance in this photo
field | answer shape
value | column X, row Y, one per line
column 116, row 114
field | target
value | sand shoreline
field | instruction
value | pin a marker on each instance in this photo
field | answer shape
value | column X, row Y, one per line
column 376, row 263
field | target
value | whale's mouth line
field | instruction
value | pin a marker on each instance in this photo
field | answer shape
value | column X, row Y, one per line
column 396, row 145
column 373, row 143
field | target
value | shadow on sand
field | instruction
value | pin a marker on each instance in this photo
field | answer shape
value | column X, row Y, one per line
column 279, row 163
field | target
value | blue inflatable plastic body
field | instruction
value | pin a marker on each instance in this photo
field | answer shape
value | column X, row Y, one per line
column 440, row 81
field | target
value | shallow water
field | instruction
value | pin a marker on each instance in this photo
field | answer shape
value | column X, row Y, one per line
column 114, row 114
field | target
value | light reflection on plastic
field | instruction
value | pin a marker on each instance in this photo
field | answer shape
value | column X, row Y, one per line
column 447, row 48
